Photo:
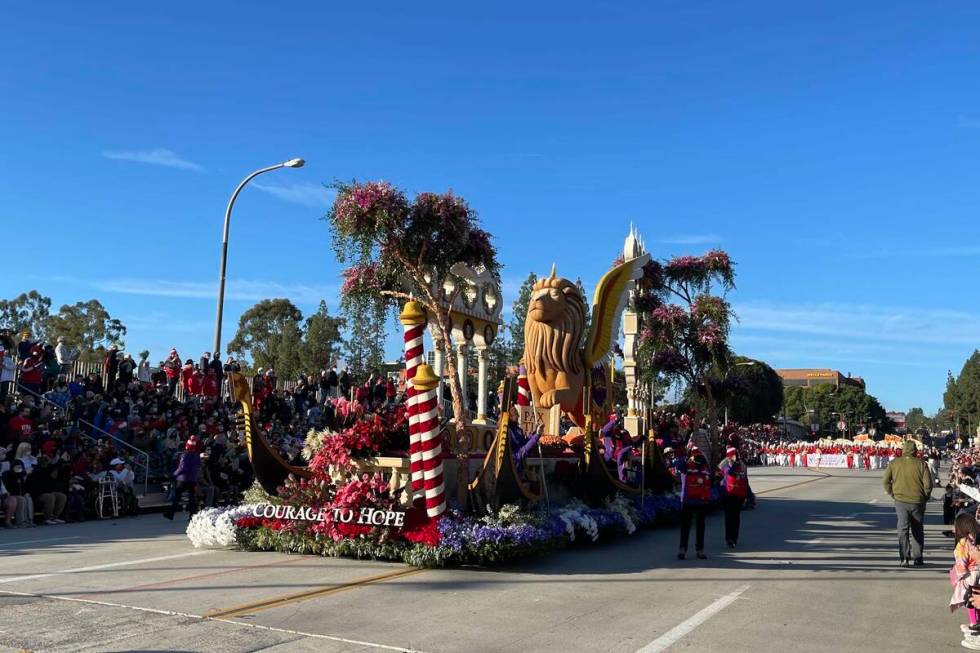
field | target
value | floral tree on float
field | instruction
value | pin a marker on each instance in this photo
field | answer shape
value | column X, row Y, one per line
column 395, row 250
column 686, row 317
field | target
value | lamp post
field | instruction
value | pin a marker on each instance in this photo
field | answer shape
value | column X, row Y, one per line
column 292, row 163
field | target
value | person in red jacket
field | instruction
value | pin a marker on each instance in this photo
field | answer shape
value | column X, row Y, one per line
column 30, row 370
column 390, row 391
column 210, row 387
column 186, row 374
column 21, row 426
column 172, row 368
column 197, row 382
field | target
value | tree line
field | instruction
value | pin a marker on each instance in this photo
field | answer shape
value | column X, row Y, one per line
column 86, row 326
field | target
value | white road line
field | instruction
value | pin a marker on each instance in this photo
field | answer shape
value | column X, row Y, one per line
column 50, row 539
column 874, row 501
column 233, row 622
column 671, row 637
column 127, row 563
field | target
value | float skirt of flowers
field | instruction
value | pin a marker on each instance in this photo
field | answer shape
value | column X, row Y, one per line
column 453, row 539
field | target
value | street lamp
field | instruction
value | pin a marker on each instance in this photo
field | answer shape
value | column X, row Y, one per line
column 292, row 163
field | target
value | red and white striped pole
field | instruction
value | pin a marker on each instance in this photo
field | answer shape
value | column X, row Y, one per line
column 413, row 321
column 523, row 388
column 430, row 441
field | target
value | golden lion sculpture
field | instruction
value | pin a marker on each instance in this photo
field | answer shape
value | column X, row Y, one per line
column 556, row 361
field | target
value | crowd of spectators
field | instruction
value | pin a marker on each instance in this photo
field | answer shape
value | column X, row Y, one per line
column 64, row 436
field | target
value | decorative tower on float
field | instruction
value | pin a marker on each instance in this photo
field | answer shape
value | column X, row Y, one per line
column 636, row 399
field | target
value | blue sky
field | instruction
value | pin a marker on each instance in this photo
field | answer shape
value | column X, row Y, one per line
column 831, row 148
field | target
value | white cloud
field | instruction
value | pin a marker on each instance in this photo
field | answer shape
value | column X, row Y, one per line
column 303, row 193
column 235, row 289
column 863, row 322
column 158, row 156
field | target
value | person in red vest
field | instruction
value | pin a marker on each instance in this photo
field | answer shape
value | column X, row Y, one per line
column 850, row 458
column 695, row 495
column 735, row 483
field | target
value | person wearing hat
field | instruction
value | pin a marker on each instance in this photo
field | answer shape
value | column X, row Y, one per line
column 735, row 483
column 695, row 478
column 124, row 478
column 185, row 476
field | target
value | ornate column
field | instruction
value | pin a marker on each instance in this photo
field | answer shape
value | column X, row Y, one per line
column 461, row 351
column 481, row 396
column 634, row 423
column 438, row 360
column 438, row 367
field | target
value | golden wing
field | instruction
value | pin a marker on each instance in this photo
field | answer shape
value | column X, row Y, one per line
column 607, row 307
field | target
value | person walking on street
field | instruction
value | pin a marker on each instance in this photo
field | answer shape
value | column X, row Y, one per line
column 695, row 479
column 735, row 483
column 185, row 477
column 908, row 481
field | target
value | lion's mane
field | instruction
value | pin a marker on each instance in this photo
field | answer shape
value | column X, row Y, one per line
column 556, row 346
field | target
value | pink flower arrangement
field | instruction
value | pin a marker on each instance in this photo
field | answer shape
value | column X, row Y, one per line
column 361, row 208
column 710, row 335
column 685, row 266
column 669, row 315
column 709, row 306
column 360, row 278
column 718, row 261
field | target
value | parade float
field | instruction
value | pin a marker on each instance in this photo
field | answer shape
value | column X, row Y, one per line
column 399, row 481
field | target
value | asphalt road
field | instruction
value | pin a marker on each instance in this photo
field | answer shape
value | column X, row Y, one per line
column 816, row 570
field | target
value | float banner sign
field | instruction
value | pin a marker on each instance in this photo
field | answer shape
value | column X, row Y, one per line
column 363, row 516
column 827, row 460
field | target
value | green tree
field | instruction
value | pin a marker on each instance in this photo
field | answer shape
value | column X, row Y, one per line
column 88, row 327
column 321, row 340
column 499, row 358
column 915, row 419
column 399, row 250
column 962, row 396
column 269, row 335
column 364, row 345
column 824, row 405
column 519, row 316
column 686, row 320
column 754, row 392
column 28, row 311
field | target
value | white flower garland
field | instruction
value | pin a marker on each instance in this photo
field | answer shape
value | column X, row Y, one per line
column 215, row 527
column 573, row 515
column 621, row 505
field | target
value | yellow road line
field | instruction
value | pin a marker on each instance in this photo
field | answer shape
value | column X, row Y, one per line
column 786, row 487
column 275, row 602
